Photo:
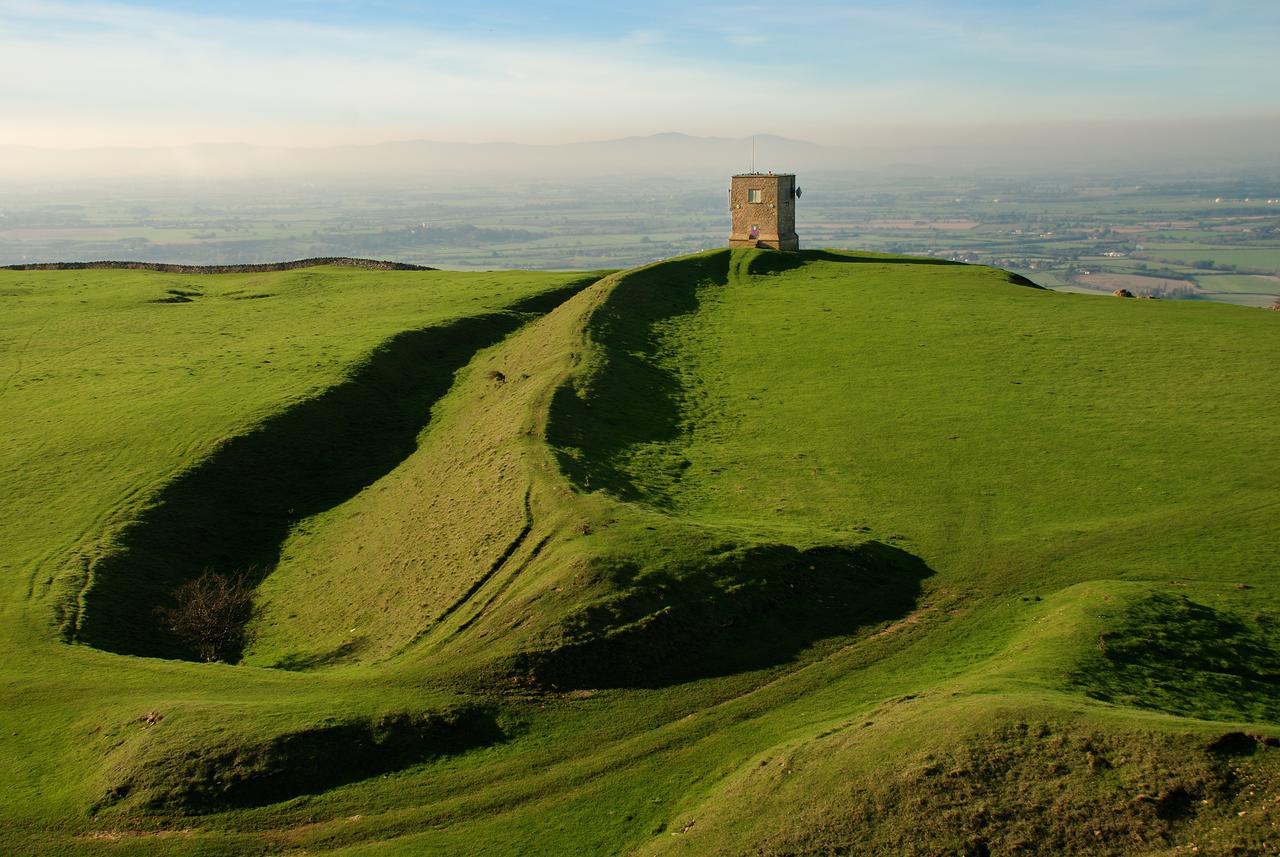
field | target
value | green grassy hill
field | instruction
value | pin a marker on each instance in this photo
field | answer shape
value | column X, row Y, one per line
column 741, row 552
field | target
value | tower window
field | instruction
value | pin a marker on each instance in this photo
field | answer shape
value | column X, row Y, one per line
column 753, row 195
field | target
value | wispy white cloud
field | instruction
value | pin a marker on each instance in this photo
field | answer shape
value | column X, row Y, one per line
column 117, row 67
column 101, row 72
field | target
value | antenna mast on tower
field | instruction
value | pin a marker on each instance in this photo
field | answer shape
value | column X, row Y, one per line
column 753, row 153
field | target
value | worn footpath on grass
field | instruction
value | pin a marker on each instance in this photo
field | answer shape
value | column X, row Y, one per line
column 742, row 552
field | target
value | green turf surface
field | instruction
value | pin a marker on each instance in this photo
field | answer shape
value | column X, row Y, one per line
column 899, row 398
column 1265, row 259
column 737, row 553
column 1242, row 283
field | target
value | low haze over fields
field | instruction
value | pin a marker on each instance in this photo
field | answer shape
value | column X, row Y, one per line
column 1208, row 232
column 1090, row 146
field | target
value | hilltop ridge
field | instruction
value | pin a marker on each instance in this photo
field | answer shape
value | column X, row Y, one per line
column 739, row 552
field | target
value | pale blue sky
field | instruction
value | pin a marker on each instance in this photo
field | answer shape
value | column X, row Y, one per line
column 90, row 73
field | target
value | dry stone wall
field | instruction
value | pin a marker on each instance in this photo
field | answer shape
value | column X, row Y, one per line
column 372, row 264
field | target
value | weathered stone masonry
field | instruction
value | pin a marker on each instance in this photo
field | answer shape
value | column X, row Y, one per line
column 763, row 207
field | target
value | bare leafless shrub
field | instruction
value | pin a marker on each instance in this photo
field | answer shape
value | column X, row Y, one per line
column 211, row 614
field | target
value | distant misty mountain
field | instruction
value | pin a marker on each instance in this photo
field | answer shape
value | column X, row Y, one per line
column 1070, row 147
column 658, row 153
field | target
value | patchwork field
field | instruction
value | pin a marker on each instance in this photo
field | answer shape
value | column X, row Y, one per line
column 736, row 553
column 1136, row 283
column 1179, row 234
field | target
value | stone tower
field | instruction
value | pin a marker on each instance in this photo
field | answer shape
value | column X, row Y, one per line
column 763, row 206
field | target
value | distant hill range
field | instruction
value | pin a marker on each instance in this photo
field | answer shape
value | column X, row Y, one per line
column 665, row 153
column 1232, row 144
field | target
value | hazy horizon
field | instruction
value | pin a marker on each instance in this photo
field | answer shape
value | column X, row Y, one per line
column 911, row 136
column 92, row 74
column 568, row 134
column 1141, row 149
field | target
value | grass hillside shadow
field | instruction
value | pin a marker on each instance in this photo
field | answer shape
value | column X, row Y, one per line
column 228, row 775
column 232, row 513
column 776, row 263
column 853, row 258
column 712, row 608
column 632, row 399
column 746, row 609
column 1172, row 654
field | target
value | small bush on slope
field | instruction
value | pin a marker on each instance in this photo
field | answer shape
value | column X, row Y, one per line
column 211, row 614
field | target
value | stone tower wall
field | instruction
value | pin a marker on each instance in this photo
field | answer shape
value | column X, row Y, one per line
column 774, row 214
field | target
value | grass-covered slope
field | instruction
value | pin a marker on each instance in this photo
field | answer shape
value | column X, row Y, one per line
column 111, row 388
column 742, row 552
column 148, row 438
column 995, row 428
